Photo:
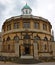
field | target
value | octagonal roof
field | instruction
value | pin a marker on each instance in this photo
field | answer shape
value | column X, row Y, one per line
column 26, row 7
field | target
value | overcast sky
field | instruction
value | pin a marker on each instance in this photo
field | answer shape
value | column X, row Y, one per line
column 44, row 8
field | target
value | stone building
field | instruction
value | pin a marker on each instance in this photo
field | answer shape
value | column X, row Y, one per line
column 27, row 35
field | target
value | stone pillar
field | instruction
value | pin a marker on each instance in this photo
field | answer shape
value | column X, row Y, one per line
column 17, row 49
column 35, row 51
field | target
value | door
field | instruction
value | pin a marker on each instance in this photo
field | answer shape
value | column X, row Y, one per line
column 27, row 50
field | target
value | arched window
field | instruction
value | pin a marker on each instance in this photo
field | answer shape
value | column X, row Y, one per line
column 38, row 46
column 45, row 39
column 27, row 36
column 52, row 39
column 36, row 38
column 3, row 40
column 16, row 38
column 26, row 39
column 45, row 46
column 8, row 38
column 8, row 47
column 50, row 47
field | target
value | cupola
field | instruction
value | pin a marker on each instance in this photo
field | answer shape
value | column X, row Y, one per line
column 26, row 10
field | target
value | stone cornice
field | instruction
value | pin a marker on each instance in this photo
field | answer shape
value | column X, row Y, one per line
column 27, row 30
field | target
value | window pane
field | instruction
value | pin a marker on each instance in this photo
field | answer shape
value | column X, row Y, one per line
column 36, row 25
column 36, row 38
column 26, row 25
column 16, row 25
column 16, row 38
column 8, row 46
column 44, row 27
column 9, row 27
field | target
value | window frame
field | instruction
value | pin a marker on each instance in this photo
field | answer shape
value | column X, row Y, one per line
column 8, row 27
column 16, row 38
column 8, row 47
column 25, row 25
column 44, row 26
column 45, row 39
column 36, row 25
column 16, row 25
column 8, row 38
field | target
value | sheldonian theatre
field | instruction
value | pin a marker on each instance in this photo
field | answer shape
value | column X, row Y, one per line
column 27, row 35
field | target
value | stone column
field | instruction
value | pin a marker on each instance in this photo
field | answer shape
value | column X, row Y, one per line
column 35, row 51
column 17, row 49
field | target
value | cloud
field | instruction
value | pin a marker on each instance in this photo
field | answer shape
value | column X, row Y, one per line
column 46, row 9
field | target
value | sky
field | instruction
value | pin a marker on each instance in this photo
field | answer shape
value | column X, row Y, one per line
column 43, row 8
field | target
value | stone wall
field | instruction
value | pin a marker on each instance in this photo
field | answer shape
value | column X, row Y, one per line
column 8, row 54
column 0, row 46
column 53, row 47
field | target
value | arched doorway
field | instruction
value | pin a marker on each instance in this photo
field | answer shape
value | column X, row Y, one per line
column 26, row 43
column 26, row 49
column 26, row 39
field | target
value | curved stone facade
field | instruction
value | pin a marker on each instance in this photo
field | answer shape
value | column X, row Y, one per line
column 27, row 35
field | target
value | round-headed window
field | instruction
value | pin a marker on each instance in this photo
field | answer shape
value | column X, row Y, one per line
column 16, row 38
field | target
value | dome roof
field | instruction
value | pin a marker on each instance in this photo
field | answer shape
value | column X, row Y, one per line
column 26, row 7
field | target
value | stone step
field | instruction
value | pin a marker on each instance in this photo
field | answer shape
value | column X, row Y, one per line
column 26, row 57
column 28, row 61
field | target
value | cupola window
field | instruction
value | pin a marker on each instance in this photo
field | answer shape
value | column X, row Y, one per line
column 26, row 12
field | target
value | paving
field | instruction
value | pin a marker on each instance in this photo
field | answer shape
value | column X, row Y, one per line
column 9, row 63
column 22, row 61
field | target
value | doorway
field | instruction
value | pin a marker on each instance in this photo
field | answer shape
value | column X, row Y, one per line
column 27, row 50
